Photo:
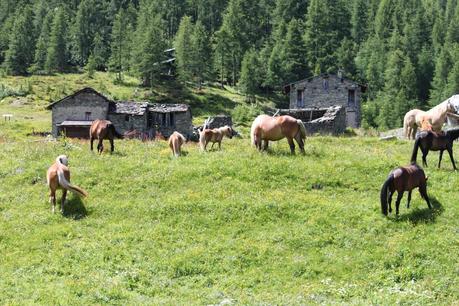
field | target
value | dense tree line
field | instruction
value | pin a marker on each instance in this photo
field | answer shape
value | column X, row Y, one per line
column 406, row 52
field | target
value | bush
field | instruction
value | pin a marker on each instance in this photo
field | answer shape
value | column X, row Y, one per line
column 245, row 113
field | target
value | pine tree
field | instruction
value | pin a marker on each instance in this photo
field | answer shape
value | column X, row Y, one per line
column 200, row 53
column 359, row 21
column 21, row 43
column 57, row 54
column 150, row 46
column 294, row 60
column 42, row 44
column 249, row 82
column 100, row 51
column 440, row 80
column 183, row 55
column 91, row 66
column 120, row 54
column 452, row 86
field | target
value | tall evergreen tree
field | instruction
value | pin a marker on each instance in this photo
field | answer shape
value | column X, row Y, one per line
column 150, row 46
column 294, row 62
column 57, row 53
column 183, row 54
column 20, row 52
column 42, row 44
column 200, row 51
column 249, row 82
column 121, row 45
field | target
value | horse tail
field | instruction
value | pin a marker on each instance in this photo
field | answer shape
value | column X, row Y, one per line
column 253, row 136
column 414, row 155
column 384, row 191
column 302, row 128
column 202, row 139
column 66, row 184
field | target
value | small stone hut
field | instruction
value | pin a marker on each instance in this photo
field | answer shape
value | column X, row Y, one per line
column 325, row 91
column 74, row 114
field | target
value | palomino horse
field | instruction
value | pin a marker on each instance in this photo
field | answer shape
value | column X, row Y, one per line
column 214, row 136
column 266, row 128
column 403, row 179
column 409, row 123
column 431, row 141
column 100, row 130
column 58, row 177
column 176, row 140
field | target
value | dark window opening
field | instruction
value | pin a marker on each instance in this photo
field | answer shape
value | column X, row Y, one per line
column 172, row 119
column 300, row 98
column 87, row 116
column 351, row 98
column 163, row 120
column 126, row 118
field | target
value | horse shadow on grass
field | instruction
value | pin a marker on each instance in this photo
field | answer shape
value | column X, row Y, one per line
column 423, row 215
column 74, row 209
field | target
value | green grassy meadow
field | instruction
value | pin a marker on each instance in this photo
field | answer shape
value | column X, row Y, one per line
column 224, row 227
column 232, row 225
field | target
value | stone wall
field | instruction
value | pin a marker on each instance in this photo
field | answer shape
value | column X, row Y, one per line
column 327, row 121
column 126, row 122
column 75, row 108
column 218, row 121
column 327, row 91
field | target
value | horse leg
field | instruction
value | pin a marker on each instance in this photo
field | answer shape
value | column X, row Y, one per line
column 64, row 195
column 409, row 199
column 292, row 145
column 424, row 157
column 450, row 152
column 423, row 192
column 439, row 160
column 300, row 142
column 92, row 143
column 390, row 201
column 112, row 145
column 415, row 130
column 100, row 146
column 220, row 145
column 52, row 200
column 265, row 145
column 397, row 202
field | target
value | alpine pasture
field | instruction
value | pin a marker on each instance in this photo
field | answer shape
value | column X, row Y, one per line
column 231, row 226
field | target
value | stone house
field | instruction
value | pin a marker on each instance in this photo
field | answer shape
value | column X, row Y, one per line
column 74, row 114
column 325, row 91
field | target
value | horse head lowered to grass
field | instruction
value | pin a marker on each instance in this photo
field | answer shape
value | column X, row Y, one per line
column 100, row 130
column 266, row 128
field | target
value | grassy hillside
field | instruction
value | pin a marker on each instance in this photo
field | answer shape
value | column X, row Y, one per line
column 224, row 226
column 231, row 225
column 30, row 95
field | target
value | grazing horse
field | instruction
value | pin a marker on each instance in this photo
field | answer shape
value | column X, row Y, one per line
column 403, row 179
column 266, row 128
column 176, row 140
column 100, row 130
column 431, row 141
column 214, row 136
column 58, row 177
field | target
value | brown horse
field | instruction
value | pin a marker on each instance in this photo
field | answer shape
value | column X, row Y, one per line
column 431, row 141
column 214, row 136
column 100, row 130
column 266, row 128
column 58, row 177
column 176, row 140
column 403, row 179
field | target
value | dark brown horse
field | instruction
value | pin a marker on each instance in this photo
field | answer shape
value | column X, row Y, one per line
column 432, row 141
column 266, row 128
column 403, row 179
column 100, row 130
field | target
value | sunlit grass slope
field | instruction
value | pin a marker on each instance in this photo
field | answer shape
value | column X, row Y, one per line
column 225, row 226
